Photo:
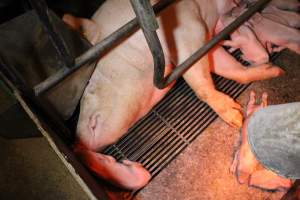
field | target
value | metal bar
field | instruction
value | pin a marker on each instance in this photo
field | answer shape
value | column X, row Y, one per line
column 141, row 9
column 42, row 11
column 148, row 23
column 159, row 80
column 93, row 53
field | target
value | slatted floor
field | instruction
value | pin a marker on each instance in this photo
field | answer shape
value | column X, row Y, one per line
column 171, row 125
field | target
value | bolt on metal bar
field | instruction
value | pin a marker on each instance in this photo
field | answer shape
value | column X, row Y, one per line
column 42, row 11
column 93, row 53
column 146, row 20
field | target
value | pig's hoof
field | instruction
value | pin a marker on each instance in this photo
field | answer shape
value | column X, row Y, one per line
column 128, row 175
column 260, row 72
column 138, row 176
column 226, row 108
column 268, row 180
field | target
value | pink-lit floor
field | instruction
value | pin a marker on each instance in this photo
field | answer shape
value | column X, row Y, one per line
column 202, row 170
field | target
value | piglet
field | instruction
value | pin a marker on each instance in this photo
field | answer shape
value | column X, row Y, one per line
column 244, row 39
column 272, row 32
column 281, row 4
column 288, row 18
column 276, row 33
column 245, row 164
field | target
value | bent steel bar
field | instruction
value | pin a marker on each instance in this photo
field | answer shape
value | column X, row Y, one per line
column 42, row 11
column 159, row 80
column 93, row 53
column 141, row 8
column 149, row 25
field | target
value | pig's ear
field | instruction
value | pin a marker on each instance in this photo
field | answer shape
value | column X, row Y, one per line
column 94, row 123
column 88, row 28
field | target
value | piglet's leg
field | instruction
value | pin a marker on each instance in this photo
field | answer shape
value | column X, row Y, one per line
column 247, row 162
column 128, row 174
column 268, row 180
column 225, row 65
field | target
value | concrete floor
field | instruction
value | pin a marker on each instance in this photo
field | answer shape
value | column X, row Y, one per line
column 201, row 171
column 31, row 170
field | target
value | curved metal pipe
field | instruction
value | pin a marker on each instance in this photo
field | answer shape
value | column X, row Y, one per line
column 144, row 13
column 93, row 53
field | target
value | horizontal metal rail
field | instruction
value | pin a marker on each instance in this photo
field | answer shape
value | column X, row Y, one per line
column 152, row 39
column 93, row 53
column 147, row 20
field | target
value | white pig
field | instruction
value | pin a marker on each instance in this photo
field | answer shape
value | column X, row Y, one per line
column 244, row 39
column 121, row 88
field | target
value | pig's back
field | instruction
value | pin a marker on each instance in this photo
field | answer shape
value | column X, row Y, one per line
column 199, row 14
column 110, row 17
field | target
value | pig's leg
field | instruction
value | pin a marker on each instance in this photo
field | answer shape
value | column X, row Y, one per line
column 88, row 28
column 189, row 37
column 225, row 65
column 128, row 175
column 199, row 79
column 266, row 179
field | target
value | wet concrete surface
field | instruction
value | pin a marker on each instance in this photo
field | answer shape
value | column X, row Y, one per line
column 201, row 171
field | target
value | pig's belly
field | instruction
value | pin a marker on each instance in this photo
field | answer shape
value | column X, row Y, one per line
column 120, row 93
